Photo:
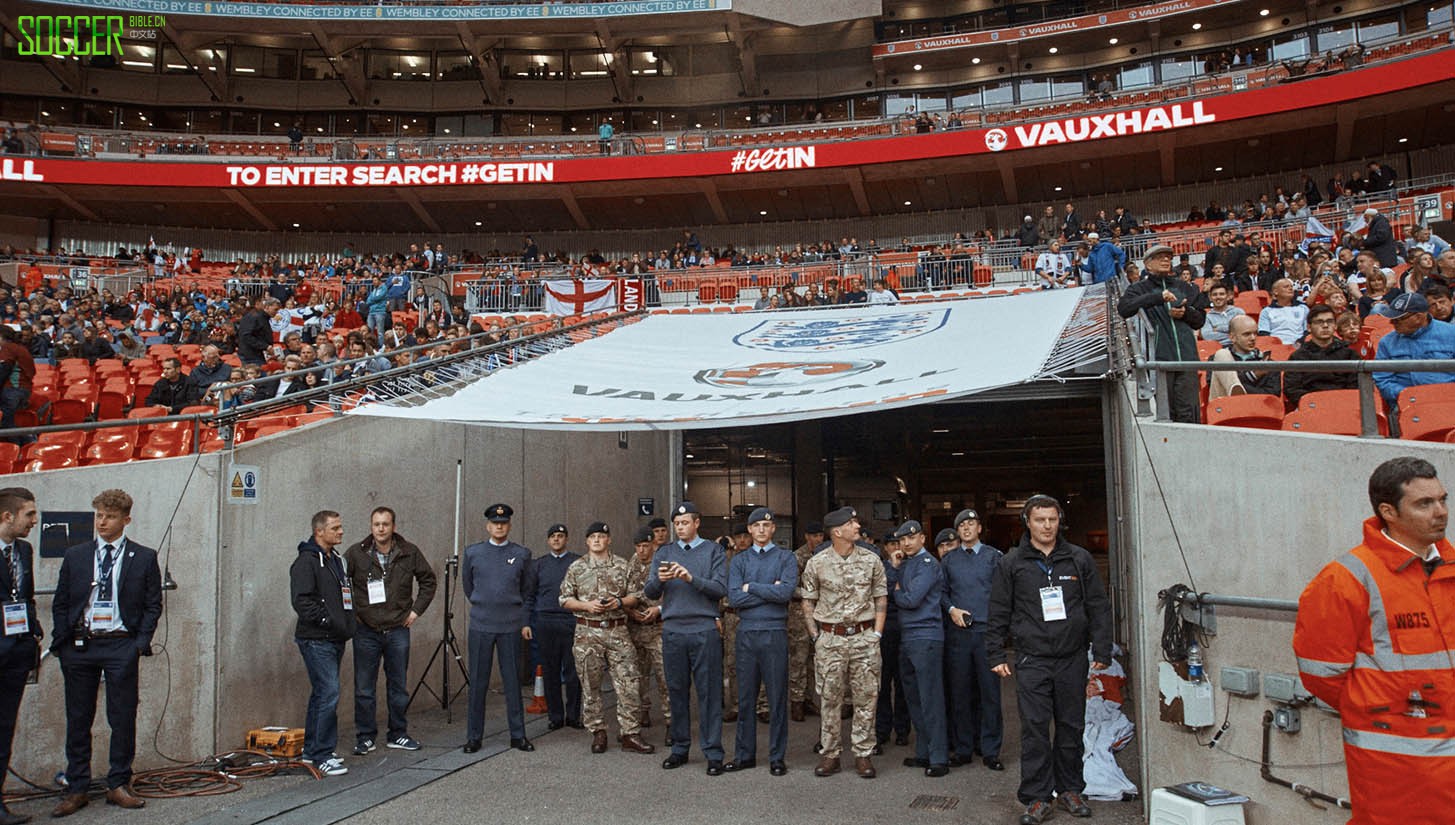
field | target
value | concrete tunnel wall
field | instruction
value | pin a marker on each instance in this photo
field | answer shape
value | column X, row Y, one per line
column 1259, row 513
column 230, row 661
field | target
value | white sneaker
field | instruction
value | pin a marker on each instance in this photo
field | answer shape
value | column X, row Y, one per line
column 333, row 767
column 404, row 743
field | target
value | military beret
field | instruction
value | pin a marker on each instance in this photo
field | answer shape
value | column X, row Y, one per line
column 840, row 517
column 760, row 514
column 909, row 528
column 556, row 528
column 643, row 534
column 499, row 513
column 944, row 535
column 966, row 515
column 656, row 522
column 597, row 527
column 685, row 507
column 739, row 527
column 813, row 527
column 889, row 537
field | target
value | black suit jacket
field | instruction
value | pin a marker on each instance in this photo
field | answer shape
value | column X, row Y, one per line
column 139, row 594
column 27, row 595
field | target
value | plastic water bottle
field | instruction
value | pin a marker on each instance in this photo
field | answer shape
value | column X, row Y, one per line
column 1194, row 662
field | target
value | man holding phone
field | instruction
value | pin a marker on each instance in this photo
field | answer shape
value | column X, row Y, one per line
column 1175, row 311
column 691, row 578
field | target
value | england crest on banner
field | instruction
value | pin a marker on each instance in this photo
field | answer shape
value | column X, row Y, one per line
column 823, row 334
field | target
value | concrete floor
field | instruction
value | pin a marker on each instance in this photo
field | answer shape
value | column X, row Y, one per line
column 563, row 781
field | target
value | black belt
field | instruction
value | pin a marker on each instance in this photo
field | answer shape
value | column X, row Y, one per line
column 846, row 629
column 607, row 623
column 109, row 634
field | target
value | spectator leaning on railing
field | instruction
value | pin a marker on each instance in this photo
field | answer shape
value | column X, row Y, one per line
column 1416, row 337
column 1175, row 310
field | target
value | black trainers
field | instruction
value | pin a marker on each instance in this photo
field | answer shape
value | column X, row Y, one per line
column 1036, row 813
column 1075, row 804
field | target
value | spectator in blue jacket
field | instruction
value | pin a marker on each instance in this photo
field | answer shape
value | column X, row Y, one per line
column 398, row 291
column 378, row 304
column 1416, row 336
column 1105, row 261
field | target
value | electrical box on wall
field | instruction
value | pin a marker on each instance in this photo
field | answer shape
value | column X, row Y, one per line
column 1197, row 704
column 1285, row 688
column 1240, row 681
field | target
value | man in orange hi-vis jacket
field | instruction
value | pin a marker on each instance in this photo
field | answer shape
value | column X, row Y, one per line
column 1375, row 639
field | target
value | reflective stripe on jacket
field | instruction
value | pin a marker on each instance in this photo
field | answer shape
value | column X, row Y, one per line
column 1375, row 639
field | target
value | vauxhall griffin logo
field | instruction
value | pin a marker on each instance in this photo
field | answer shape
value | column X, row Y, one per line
column 778, row 374
column 995, row 140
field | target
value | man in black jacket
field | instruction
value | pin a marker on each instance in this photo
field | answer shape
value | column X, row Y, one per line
column 106, row 607
column 172, row 391
column 1048, row 596
column 384, row 570
column 1379, row 238
column 1322, row 344
column 324, row 602
column 254, row 330
column 19, row 645
column 1175, row 310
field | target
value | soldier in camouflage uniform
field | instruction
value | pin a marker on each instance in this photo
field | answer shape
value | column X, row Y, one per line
column 646, row 629
column 595, row 589
column 845, row 598
column 800, row 644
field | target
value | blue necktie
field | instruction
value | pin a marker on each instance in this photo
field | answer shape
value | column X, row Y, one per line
column 103, row 592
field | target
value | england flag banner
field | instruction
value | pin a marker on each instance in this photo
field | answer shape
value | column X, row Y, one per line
column 579, row 297
column 736, row 369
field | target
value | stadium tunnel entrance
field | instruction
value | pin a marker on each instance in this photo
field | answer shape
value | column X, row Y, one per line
column 988, row 452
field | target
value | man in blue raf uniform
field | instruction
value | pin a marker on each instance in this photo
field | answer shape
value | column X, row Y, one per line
column 498, row 579
column 107, row 603
column 554, row 628
column 761, row 581
column 20, row 643
column 691, row 576
column 974, row 691
column 917, row 585
column 891, row 712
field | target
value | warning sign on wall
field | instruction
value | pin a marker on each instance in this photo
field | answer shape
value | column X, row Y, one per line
column 243, row 484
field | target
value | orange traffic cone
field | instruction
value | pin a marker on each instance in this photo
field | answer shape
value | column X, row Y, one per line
column 538, row 702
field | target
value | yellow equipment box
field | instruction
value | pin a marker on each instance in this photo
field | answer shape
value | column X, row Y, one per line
column 278, row 741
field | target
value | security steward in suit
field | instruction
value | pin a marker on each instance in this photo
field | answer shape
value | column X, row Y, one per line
column 108, row 600
column 1048, row 595
column 20, row 644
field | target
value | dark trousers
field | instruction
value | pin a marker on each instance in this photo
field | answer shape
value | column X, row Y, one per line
column 320, row 726
column 16, row 660
column 891, row 714
column 554, row 640
column 506, row 648
column 762, row 657
column 922, row 668
column 1051, row 691
column 82, row 669
column 13, row 399
column 371, row 646
column 1183, row 399
column 694, row 660
column 974, row 693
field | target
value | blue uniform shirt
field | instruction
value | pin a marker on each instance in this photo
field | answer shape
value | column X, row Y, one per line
column 765, row 605
column 920, row 596
column 498, row 579
column 543, row 603
column 689, row 608
column 969, row 572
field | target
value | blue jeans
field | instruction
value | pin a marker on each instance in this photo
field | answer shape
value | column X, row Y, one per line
column 13, row 399
column 320, row 726
column 369, row 646
column 379, row 323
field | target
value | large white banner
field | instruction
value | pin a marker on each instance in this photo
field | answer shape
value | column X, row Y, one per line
column 733, row 369
column 579, row 297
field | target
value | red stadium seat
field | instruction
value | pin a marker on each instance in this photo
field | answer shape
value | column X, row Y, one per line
column 50, row 462
column 147, row 412
column 1426, row 394
column 9, row 455
column 75, row 438
column 106, row 452
column 1263, row 412
column 1430, row 421
column 69, row 411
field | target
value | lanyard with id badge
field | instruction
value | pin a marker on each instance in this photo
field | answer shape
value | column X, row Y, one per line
column 17, row 617
column 1053, row 601
column 376, row 586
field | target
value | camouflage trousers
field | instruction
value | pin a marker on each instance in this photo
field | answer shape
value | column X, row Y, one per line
column 847, row 670
column 647, row 639
column 596, row 649
column 800, row 654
